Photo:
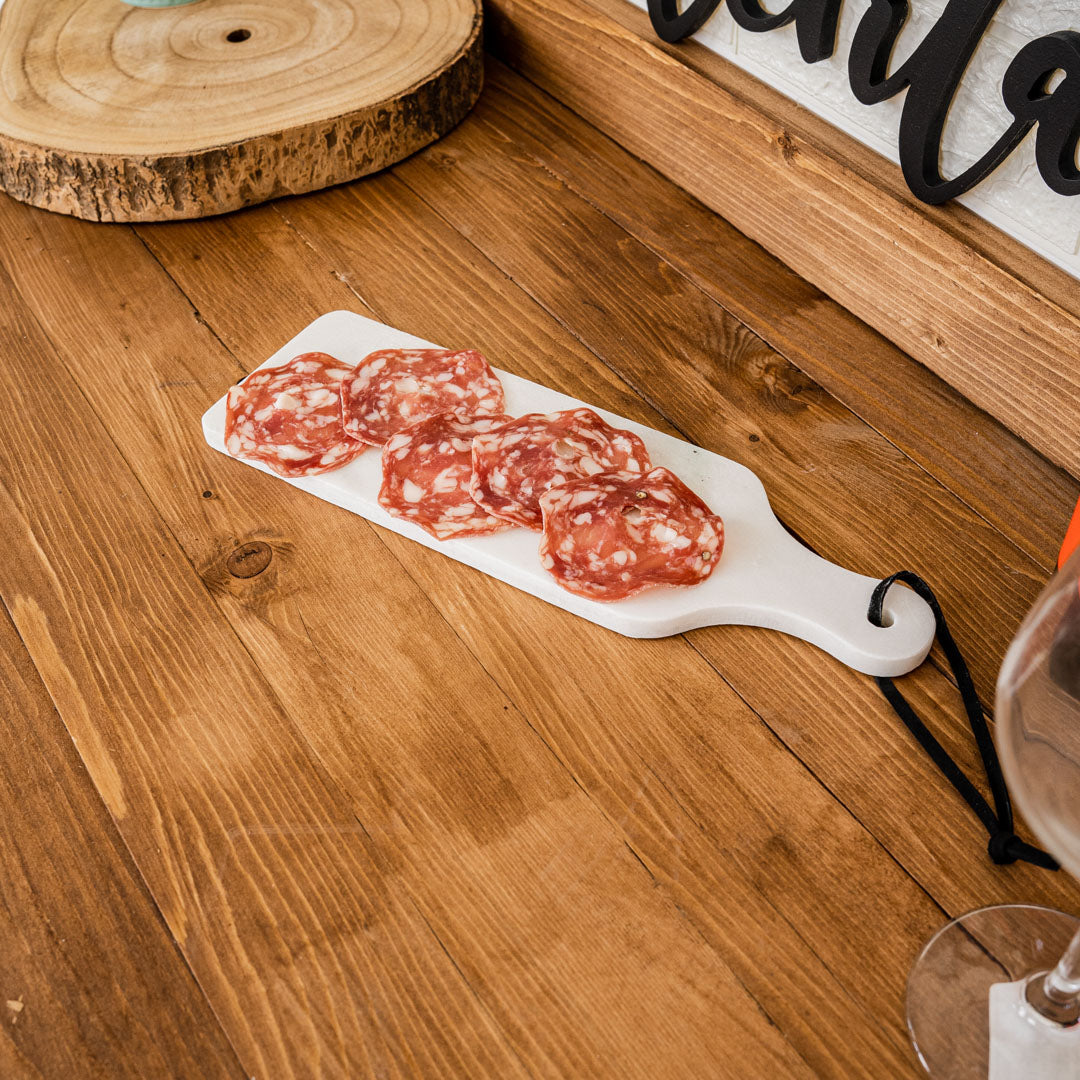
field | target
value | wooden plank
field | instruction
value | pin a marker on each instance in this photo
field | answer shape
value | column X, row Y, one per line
column 840, row 485
column 287, row 917
column 997, row 339
column 1001, row 477
column 758, row 921
column 808, row 700
column 770, row 952
column 368, row 239
column 546, row 913
column 1010, row 254
column 91, row 983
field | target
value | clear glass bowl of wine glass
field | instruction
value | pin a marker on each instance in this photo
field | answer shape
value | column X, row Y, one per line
column 1027, row 1029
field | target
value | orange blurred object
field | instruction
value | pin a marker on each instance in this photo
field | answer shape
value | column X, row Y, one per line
column 1072, row 538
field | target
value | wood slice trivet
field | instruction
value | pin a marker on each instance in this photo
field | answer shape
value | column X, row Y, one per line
column 117, row 113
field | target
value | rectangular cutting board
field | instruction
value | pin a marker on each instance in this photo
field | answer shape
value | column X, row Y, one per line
column 764, row 578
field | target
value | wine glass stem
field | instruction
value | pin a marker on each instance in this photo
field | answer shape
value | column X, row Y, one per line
column 1056, row 995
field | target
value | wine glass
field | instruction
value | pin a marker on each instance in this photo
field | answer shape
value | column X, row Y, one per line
column 1026, row 1027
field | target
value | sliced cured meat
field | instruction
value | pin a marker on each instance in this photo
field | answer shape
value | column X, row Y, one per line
column 427, row 474
column 289, row 417
column 395, row 387
column 610, row 536
column 515, row 465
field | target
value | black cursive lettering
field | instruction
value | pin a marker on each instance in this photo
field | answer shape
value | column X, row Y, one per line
column 673, row 25
column 815, row 23
column 1057, row 112
column 931, row 75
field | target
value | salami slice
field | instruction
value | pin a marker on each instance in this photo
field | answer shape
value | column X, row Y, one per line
column 395, row 387
column 610, row 536
column 514, row 466
column 289, row 417
column 427, row 474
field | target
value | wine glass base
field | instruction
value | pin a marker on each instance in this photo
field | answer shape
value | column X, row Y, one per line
column 948, row 990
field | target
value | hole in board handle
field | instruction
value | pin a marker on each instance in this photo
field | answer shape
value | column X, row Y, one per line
column 238, row 35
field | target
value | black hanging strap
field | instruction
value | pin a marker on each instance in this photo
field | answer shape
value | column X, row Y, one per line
column 1005, row 846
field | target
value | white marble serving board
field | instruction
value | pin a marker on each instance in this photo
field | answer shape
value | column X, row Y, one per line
column 765, row 577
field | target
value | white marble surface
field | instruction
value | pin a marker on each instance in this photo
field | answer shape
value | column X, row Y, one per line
column 1014, row 198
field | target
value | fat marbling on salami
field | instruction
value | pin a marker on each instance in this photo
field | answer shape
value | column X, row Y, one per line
column 289, row 417
column 391, row 388
column 427, row 476
column 515, row 465
column 609, row 536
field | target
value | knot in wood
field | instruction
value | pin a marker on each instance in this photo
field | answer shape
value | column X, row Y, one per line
column 787, row 146
column 250, row 559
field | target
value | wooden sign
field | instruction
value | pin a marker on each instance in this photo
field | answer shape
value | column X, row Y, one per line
column 1041, row 88
column 117, row 113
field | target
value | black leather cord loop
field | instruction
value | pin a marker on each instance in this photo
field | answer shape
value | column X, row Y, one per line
column 1005, row 846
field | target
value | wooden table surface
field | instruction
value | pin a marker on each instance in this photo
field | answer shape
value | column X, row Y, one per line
column 370, row 813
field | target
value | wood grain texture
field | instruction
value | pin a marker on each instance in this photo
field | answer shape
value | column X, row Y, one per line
column 402, row 819
column 366, row 242
column 260, row 868
column 120, row 114
column 957, row 220
column 726, row 390
column 1003, row 479
column 535, row 897
column 771, row 951
column 1003, row 343
column 91, row 983
column 367, row 256
column 365, row 232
